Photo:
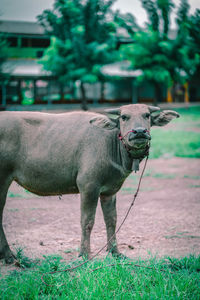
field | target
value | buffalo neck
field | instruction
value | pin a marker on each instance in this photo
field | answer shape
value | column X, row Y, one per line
column 127, row 158
column 121, row 155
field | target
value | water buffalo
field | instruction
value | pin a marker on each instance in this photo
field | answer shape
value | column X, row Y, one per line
column 75, row 152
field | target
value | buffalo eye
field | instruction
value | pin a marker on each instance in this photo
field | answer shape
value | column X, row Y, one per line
column 147, row 116
column 124, row 117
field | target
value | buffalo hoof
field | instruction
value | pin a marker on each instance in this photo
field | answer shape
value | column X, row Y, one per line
column 8, row 256
column 10, row 259
column 118, row 255
column 84, row 255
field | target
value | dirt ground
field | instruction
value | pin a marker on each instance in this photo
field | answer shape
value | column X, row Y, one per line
column 165, row 219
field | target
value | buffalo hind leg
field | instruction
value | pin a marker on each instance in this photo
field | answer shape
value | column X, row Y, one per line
column 88, row 209
column 5, row 251
column 108, row 205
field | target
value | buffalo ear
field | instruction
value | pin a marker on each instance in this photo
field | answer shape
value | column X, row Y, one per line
column 104, row 122
column 153, row 109
column 163, row 118
column 112, row 111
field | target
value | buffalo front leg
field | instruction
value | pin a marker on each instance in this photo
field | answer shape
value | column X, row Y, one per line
column 88, row 209
column 108, row 205
column 5, row 251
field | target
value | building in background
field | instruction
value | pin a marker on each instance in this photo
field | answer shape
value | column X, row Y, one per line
column 27, row 42
column 29, row 84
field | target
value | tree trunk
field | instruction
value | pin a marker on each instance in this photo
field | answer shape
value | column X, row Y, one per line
column 83, row 97
column 61, row 92
column 102, row 90
column 158, row 93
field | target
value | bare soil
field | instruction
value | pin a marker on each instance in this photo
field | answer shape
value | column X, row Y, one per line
column 165, row 220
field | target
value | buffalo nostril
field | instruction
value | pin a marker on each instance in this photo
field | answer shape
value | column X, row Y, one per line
column 139, row 130
column 139, row 133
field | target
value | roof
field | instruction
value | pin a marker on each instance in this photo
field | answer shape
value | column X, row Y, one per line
column 120, row 69
column 24, row 68
column 31, row 68
column 24, row 27
column 21, row 27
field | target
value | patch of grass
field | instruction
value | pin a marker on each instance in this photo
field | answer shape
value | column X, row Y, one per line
column 151, row 173
column 167, row 278
column 69, row 251
column 168, row 143
column 191, row 177
column 128, row 189
column 23, row 194
column 195, row 185
column 182, row 236
column 190, row 264
column 37, row 208
column 13, row 209
column 190, row 113
column 14, row 195
column 22, row 260
column 171, row 143
column 163, row 176
column 132, row 190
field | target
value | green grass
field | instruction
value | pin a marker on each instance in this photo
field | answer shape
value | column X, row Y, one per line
column 160, row 175
column 178, row 141
column 167, row 278
column 23, row 194
column 191, row 177
column 190, row 113
column 171, row 143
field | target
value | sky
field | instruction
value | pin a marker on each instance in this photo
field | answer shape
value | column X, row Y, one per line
column 27, row 10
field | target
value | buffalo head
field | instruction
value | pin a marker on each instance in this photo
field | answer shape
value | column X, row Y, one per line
column 134, row 122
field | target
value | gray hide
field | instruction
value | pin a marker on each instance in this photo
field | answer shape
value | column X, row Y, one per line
column 78, row 152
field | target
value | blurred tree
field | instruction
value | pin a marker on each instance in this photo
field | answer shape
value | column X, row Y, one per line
column 3, row 76
column 158, row 13
column 194, row 33
column 82, row 40
column 3, row 56
column 188, row 37
column 162, row 58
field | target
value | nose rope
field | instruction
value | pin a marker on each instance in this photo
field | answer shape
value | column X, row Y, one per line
column 136, row 160
column 133, row 131
column 121, row 138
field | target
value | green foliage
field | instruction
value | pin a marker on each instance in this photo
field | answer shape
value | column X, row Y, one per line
column 3, row 56
column 151, row 10
column 148, row 52
column 3, row 49
column 82, row 39
column 162, row 59
column 158, row 13
column 167, row 278
column 182, row 14
column 194, row 29
column 165, row 7
column 126, row 21
column 194, row 33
